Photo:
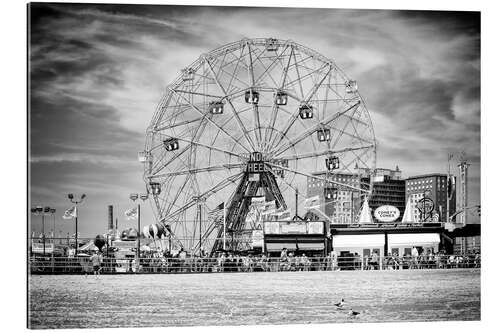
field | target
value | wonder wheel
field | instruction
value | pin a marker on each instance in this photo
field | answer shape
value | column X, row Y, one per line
column 257, row 118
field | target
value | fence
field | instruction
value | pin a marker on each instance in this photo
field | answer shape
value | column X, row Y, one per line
column 82, row 265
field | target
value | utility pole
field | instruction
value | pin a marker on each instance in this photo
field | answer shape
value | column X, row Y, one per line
column 463, row 167
column 448, row 194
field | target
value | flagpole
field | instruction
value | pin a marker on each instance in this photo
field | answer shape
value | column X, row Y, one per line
column 138, row 235
column 76, row 230
column 224, row 226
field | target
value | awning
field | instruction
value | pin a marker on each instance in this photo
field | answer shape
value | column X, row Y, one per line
column 368, row 240
column 428, row 239
column 311, row 246
column 279, row 246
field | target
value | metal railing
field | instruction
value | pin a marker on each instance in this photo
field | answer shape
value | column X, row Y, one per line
column 83, row 265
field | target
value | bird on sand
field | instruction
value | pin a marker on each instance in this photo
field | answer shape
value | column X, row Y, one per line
column 353, row 313
column 340, row 304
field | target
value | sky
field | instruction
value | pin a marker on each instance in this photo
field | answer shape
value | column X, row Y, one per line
column 97, row 73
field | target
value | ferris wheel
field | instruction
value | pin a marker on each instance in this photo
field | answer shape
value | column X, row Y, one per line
column 254, row 118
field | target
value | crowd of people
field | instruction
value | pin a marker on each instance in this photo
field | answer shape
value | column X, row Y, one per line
column 288, row 260
column 426, row 258
column 229, row 262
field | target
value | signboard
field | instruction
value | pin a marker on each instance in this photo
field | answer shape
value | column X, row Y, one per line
column 293, row 228
column 271, row 228
column 257, row 238
column 387, row 213
column 315, row 228
column 38, row 247
column 425, row 206
column 281, row 227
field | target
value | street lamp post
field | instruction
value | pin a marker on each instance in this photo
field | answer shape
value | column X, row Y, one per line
column 39, row 210
column 134, row 197
column 72, row 198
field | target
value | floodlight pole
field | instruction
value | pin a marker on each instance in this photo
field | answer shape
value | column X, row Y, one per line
column 224, row 227
column 133, row 197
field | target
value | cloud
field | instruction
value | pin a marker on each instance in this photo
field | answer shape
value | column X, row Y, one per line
column 97, row 73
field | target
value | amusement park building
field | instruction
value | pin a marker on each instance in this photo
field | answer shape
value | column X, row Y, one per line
column 431, row 186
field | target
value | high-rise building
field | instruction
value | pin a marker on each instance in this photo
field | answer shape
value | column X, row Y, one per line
column 388, row 189
column 429, row 193
column 340, row 203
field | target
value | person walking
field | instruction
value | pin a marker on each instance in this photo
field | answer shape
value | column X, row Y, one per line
column 96, row 260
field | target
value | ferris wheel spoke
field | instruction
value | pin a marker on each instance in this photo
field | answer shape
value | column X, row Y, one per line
column 293, row 116
column 221, row 185
column 235, row 113
column 322, row 153
column 162, row 165
column 359, row 158
column 213, row 147
column 251, row 79
column 199, row 170
column 272, row 120
column 298, row 76
column 182, row 123
column 271, row 65
column 233, row 75
column 350, row 134
column 215, row 124
column 315, row 87
column 310, row 130
column 196, row 93
column 305, row 174
column 177, row 194
column 266, row 72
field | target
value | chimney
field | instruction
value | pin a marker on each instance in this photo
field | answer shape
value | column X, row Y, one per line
column 110, row 217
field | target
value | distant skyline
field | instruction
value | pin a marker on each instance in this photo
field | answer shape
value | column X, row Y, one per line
column 97, row 73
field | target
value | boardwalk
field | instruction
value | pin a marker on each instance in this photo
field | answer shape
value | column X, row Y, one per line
column 253, row 298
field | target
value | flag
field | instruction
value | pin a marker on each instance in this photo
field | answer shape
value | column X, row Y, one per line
column 217, row 213
column 70, row 213
column 283, row 215
column 131, row 214
column 312, row 202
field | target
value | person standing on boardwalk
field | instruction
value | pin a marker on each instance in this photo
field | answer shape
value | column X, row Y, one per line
column 96, row 260
column 283, row 259
column 414, row 254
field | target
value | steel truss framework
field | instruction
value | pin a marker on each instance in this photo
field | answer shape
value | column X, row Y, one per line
column 246, row 80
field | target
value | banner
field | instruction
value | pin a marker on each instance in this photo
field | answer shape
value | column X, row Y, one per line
column 312, row 202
